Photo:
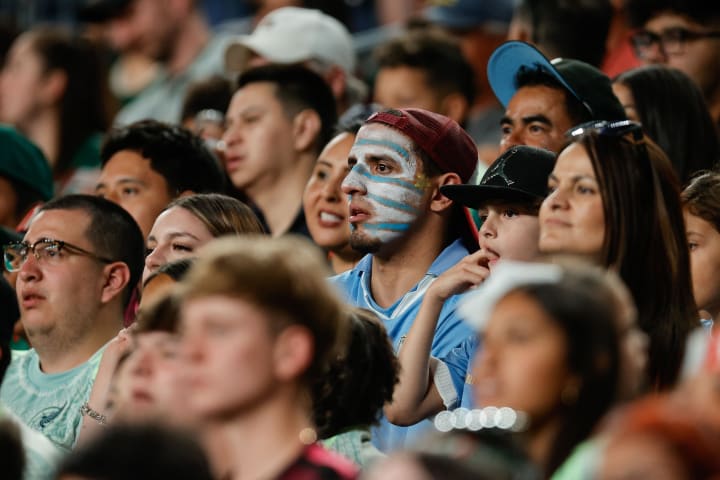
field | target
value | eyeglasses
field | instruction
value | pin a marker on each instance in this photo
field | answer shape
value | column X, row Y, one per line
column 45, row 250
column 618, row 128
column 672, row 41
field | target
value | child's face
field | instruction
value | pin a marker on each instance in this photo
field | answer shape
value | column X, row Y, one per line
column 704, row 243
column 509, row 231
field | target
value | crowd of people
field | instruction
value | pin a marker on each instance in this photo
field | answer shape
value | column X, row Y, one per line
column 490, row 249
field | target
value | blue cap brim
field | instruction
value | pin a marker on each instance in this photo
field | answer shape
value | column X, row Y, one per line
column 506, row 61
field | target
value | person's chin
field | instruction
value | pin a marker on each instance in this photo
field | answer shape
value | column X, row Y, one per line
column 360, row 242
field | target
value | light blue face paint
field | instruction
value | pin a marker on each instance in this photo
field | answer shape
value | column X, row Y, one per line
column 394, row 199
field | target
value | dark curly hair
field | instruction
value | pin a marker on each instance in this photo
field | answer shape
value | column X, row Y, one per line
column 360, row 381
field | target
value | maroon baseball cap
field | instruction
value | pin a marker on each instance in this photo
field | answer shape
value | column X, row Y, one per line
column 446, row 143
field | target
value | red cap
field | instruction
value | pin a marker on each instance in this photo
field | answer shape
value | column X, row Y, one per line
column 440, row 137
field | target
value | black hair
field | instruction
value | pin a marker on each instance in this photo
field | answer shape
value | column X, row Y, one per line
column 354, row 117
column 674, row 114
column 175, row 270
column 84, row 105
column 703, row 12
column 584, row 307
column 11, row 446
column 11, row 314
column 437, row 55
column 124, row 452
column 26, row 197
column 212, row 93
column 298, row 88
column 569, row 28
column 360, row 381
column 112, row 231
column 174, row 152
column 531, row 77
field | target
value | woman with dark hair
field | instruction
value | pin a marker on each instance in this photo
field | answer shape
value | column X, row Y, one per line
column 673, row 113
column 615, row 199
column 550, row 350
column 53, row 90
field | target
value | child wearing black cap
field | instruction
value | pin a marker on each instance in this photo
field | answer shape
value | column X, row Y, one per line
column 508, row 199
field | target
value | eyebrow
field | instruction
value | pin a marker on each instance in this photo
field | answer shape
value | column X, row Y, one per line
column 321, row 161
column 173, row 236
column 574, row 178
column 505, row 120
column 122, row 181
column 536, row 118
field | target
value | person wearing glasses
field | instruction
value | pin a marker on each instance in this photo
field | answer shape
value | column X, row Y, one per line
column 76, row 266
column 614, row 198
column 684, row 35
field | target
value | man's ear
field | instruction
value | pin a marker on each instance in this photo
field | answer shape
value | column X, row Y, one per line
column 440, row 202
column 293, row 352
column 306, row 129
column 117, row 276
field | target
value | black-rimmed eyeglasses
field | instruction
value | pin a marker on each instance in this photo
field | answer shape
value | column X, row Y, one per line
column 672, row 41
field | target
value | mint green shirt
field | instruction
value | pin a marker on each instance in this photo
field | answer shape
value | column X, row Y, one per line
column 48, row 403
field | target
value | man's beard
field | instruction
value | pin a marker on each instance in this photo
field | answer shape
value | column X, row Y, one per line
column 360, row 243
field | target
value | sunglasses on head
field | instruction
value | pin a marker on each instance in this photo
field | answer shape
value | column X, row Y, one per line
column 618, row 128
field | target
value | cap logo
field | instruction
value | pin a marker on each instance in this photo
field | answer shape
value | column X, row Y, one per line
column 498, row 170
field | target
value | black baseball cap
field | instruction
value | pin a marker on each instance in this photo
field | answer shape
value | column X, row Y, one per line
column 520, row 174
column 98, row 11
column 586, row 83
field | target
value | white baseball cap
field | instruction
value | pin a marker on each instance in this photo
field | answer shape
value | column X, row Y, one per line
column 292, row 35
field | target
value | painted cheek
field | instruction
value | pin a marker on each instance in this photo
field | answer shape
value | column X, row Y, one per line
column 396, row 205
column 354, row 180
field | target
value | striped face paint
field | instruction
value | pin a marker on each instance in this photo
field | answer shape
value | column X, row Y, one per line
column 385, row 187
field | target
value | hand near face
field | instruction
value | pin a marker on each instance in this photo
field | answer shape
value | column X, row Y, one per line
column 468, row 273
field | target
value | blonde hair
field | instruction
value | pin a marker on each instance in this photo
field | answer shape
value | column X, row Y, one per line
column 286, row 276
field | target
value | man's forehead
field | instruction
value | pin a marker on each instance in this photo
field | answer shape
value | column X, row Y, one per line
column 383, row 135
column 539, row 100
column 61, row 224
column 668, row 19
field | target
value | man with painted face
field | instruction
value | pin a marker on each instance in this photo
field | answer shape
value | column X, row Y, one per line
column 409, row 230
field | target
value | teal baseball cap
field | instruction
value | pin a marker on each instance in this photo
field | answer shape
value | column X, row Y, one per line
column 23, row 162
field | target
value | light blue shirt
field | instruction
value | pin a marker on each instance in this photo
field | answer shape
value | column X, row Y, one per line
column 450, row 331
column 48, row 403
column 452, row 374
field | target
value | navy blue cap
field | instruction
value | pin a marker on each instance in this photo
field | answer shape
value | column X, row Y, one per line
column 468, row 13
